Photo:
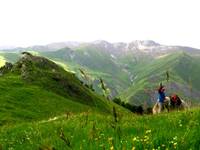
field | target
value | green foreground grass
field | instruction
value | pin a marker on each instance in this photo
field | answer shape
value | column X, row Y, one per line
column 89, row 130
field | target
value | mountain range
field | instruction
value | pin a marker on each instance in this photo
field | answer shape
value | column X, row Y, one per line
column 132, row 71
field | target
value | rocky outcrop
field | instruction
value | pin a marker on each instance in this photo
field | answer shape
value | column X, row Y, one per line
column 6, row 68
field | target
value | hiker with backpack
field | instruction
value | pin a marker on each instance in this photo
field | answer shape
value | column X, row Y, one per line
column 170, row 103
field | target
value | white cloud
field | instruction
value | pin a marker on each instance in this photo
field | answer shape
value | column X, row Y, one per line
column 28, row 22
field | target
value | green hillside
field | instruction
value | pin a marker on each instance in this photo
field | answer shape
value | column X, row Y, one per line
column 183, row 79
column 45, row 107
column 23, row 102
column 132, row 76
column 96, row 62
column 36, row 88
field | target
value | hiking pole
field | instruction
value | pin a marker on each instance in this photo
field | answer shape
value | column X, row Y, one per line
column 167, row 75
column 167, row 79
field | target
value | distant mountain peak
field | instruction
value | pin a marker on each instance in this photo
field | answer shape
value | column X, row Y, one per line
column 144, row 43
column 103, row 44
column 100, row 42
column 59, row 45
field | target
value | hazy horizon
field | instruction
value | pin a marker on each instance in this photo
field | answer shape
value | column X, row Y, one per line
column 40, row 22
column 5, row 47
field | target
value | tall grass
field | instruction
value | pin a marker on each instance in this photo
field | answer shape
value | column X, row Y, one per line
column 88, row 130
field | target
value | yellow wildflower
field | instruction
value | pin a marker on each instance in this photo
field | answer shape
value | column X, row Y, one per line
column 148, row 131
column 134, row 139
column 133, row 148
column 112, row 147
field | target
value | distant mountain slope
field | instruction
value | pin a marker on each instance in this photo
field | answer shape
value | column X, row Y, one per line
column 96, row 62
column 10, row 56
column 183, row 79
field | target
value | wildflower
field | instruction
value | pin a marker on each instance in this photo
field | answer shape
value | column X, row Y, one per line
column 145, row 140
column 110, row 139
column 175, row 144
column 175, row 138
column 146, row 137
column 133, row 148
column 112, row 147
column 28, row 138
column 134, row 139
column 148, row 131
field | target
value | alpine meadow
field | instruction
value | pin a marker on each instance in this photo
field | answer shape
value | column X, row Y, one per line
column 98, row 96
column 99, row 75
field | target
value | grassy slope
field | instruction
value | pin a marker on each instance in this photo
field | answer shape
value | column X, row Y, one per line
column 97, row 65
column 181, row 67
column 116, row 79
column 96, row 62
column 39, row 96
column 177, row 130
column 189, row 69
column 46, row 74
column 21, row 102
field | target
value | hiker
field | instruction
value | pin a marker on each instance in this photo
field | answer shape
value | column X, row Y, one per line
column 175, row 101
column 161, row 97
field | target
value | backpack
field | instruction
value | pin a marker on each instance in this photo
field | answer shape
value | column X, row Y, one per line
column 175, row 100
